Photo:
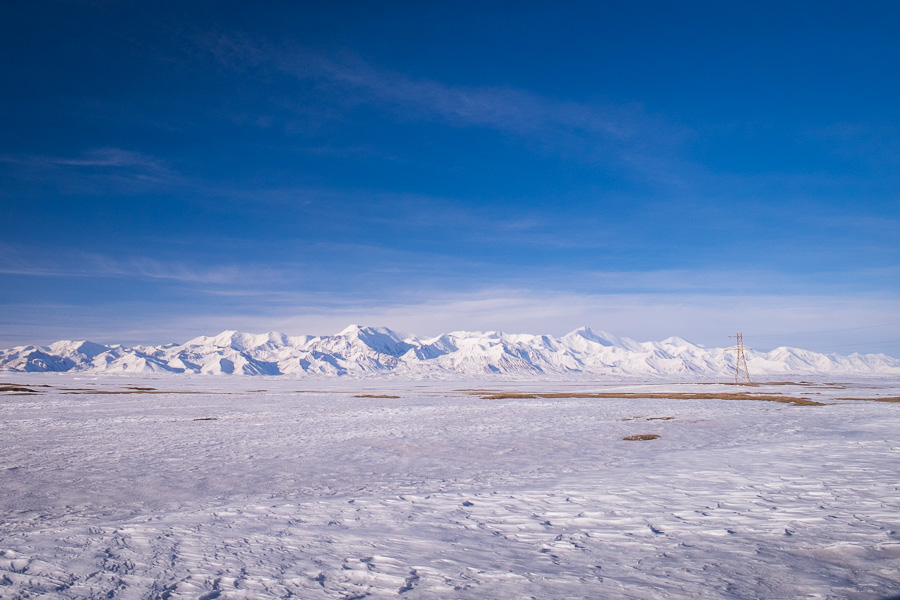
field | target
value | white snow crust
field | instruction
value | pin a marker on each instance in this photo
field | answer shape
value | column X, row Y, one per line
column 270, row 488
column 377, row 351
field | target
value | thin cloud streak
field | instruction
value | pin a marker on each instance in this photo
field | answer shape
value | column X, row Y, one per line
column 598, row 131
column 384, row 274
column 96, row 169
column 19, row 261
column 626, row 135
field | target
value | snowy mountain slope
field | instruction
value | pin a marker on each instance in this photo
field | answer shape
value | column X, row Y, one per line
column 377, row 350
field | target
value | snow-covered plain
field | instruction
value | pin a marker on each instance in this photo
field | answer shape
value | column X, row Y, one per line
column 274, row 488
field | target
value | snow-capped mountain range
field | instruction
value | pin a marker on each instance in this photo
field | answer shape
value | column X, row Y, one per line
column 361, row 351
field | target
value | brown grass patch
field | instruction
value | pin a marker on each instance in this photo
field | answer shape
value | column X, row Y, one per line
column 375, row 396
column 795, row 400
column 122, row 392
column 640, row 438
column 18, row 389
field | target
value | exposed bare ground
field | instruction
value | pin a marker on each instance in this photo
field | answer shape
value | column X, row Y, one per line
column 642, row 437
column 375, row 396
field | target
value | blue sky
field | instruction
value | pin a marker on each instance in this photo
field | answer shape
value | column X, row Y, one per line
column 647, row 168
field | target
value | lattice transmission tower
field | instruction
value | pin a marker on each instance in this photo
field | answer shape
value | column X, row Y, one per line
column 740, row 362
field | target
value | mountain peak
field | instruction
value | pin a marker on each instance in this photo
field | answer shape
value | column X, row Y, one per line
column 599, row 337
column 379, row 339
column 84, row 347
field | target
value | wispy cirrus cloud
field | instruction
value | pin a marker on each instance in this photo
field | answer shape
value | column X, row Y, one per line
column 373, row 273
column 33, row 262
column 96, row 169
column 594, row 130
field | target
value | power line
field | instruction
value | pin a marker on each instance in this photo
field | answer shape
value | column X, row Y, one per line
column 861, row 344
column 756, row 335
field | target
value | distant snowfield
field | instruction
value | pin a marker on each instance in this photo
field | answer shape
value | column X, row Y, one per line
column 272, row 488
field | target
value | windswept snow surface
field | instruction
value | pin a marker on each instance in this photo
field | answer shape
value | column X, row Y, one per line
column 265, row 488
column 367, row 351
